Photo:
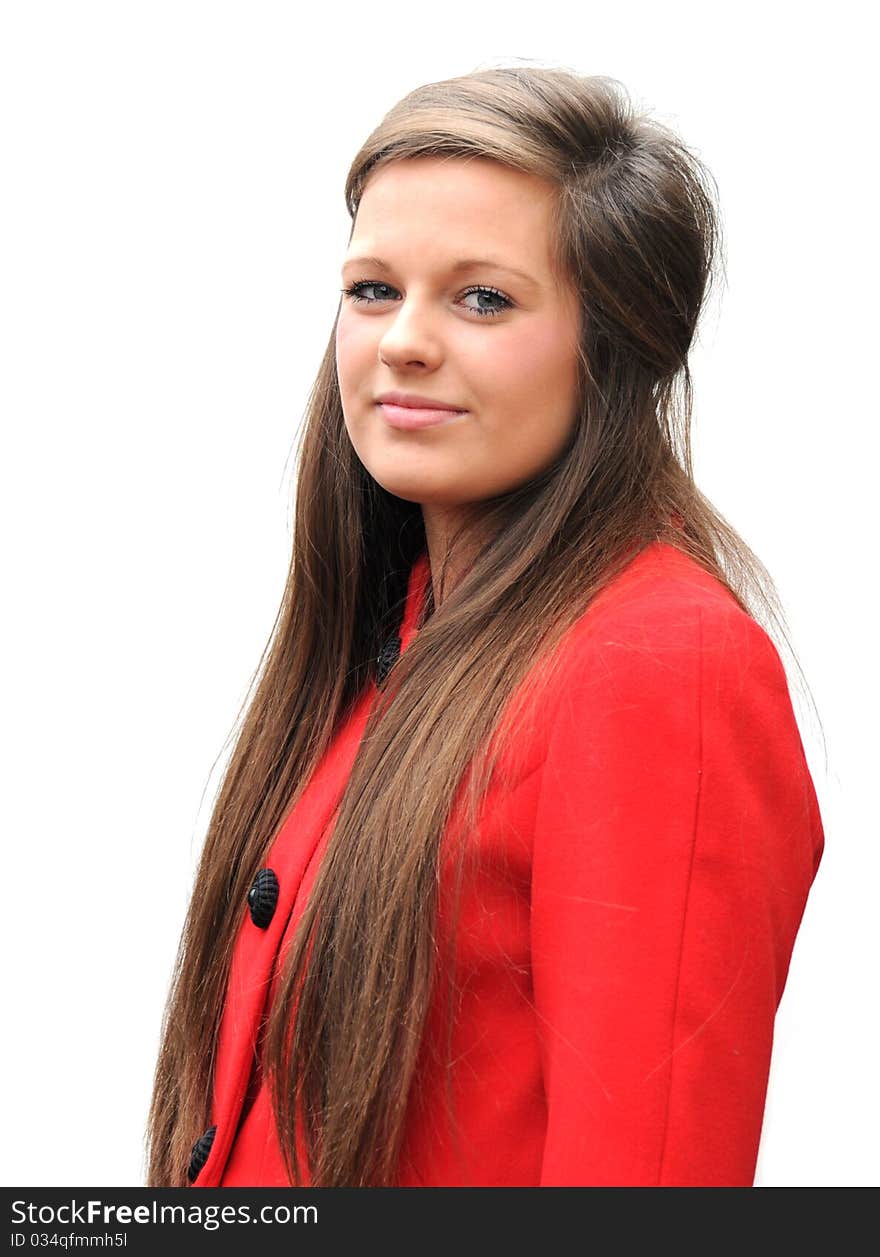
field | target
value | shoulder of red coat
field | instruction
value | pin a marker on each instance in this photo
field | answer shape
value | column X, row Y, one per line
column 665, row 602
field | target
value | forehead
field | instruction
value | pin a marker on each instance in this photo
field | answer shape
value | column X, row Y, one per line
column 454, row 207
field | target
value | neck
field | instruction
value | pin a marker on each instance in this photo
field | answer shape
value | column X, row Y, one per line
column 450, row 555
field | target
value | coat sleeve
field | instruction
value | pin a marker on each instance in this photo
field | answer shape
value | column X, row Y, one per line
column 677, row 836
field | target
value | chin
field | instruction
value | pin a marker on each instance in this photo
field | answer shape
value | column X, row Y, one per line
column 413, row 489
column 406, row 490
column 395, row 477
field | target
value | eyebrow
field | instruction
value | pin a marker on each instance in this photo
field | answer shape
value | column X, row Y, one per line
column 461, row 264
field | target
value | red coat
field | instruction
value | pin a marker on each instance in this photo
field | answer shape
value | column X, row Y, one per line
column 658, row 851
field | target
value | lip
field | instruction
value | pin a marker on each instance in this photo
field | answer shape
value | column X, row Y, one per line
column 412, row 417
column 415, row 401
column 415, row 412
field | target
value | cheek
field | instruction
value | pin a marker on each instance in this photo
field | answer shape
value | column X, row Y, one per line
column 343, row 347
column 352, row 353
column 533, row 421
column 533, row 379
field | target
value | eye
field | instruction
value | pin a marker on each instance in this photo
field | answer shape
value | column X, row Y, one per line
column 356, row 292
column 494, row 294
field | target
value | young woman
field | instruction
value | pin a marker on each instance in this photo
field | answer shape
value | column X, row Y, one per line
column 504, row 876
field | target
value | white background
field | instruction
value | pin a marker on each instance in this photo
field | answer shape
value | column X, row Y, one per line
column 171, row 227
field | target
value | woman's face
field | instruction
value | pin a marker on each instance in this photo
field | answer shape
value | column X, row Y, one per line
column 419, row 329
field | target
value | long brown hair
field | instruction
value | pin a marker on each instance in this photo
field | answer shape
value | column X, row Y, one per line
column 637, row 232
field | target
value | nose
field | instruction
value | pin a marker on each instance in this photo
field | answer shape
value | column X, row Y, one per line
column 410, row 335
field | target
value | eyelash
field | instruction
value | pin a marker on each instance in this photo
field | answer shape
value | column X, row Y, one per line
column 354, row 293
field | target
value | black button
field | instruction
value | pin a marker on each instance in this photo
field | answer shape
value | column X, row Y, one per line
column 388, row 657
column 199, row 1155
column 262, row 898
